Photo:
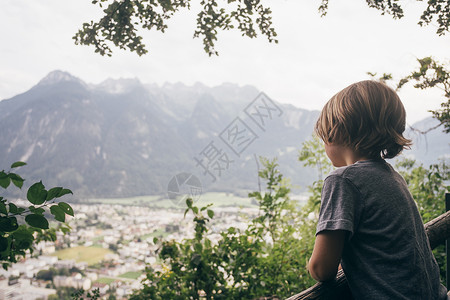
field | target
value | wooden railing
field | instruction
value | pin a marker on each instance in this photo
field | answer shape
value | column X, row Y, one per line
column 438, row 231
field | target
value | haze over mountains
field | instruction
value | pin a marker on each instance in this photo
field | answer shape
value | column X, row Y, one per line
column 123, row 138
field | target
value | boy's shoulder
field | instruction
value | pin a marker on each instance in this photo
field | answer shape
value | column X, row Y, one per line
column 361, row 170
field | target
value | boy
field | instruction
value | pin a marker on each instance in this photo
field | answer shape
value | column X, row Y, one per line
column 368, row 221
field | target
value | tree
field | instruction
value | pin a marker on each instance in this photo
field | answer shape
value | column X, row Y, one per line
column 16, row 239
column 433, row 74
column 46, row 274
column 80, row 294
column 313, row 155
column 123, row 19
column 267, row 259
column 438, row 10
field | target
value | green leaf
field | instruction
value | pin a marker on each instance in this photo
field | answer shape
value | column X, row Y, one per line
column 4, row 243
column 37, row 221
column 189, row 202
column 64, row 192
column 3, row 208
column 198, row 247
column 23, row 238
column 4, row 180
column 196, row 259
column 12, row 208
column 18, row 164
column 53, row 193
column 16, row 180
column 64, row 230
column 8, row 224
column 155, row 240
column 195, row 209
column 58, row 213
column 66, row 208
column 39, row 211
column 210, row 213
column 36, row 193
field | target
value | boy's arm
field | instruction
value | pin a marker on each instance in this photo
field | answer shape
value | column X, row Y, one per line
column 327, row 253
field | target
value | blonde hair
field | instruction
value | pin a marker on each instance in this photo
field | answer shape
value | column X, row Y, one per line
column 367, row 116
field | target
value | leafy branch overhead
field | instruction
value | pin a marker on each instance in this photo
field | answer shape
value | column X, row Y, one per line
column 433, row 74
column 123, row 19
column 15, row 239
column 430, row 74
column 437, row 10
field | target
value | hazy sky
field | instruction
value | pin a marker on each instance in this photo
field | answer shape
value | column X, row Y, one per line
column 315, row 57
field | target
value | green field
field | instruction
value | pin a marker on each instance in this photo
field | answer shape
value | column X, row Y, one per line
column 157, row 233
column 218, row 199
column 131, row 275
column 97, row 238
column 90, row 255
column 105, row 280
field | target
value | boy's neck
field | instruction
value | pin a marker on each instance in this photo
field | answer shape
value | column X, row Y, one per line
column 342, row 156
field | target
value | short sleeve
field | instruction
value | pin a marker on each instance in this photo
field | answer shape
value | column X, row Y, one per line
column 339, row 205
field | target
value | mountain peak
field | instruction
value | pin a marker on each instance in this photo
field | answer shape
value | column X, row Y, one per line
column 58, row 76
column 118, row 86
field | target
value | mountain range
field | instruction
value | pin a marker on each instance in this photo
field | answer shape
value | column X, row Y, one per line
column 124, row 138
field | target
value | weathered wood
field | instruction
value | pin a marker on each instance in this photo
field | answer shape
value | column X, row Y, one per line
column 438, row 230
column 333, row 290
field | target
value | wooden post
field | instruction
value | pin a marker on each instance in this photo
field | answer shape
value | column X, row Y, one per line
column 447, row 246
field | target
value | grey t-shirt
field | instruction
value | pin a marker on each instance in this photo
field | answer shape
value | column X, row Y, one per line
column 386, row 254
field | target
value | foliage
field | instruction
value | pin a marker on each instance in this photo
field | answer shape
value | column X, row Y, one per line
column 383, row 78
column 267, row 259
column 81, row 294
column 46, row 274
column 313, row 154
column 427, row 186
column 438, row 10
column 433, row 74
column 15, row 239
column 52, row 272
column 122, row 19
column 285, row 256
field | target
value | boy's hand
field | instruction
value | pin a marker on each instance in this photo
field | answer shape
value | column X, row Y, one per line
column 324, row 262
